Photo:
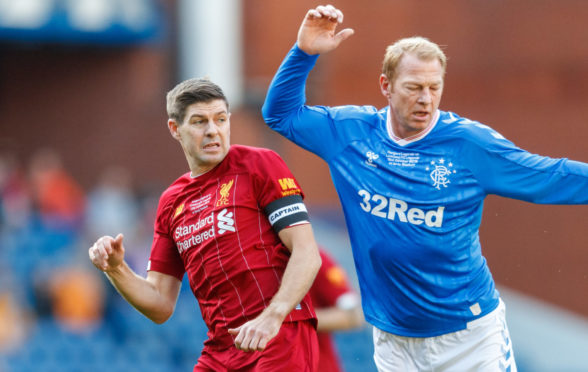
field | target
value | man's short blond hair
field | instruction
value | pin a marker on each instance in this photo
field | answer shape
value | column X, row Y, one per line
column 422, row 47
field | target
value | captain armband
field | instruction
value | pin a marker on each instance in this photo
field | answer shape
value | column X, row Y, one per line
column 287, row 211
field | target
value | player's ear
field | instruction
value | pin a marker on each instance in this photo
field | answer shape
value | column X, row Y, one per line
column 172, row 125
column 385, row 86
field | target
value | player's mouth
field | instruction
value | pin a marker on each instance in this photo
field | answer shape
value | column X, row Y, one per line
column 421, row 115
column 213, row 146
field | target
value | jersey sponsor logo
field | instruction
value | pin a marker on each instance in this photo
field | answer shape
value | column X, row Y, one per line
column 371, row 156
column 178, row 210
column 287, row 183
column 187, row 236
column 225, row 221
column 398, row 210
column 182, row 231
column 289, row 186
column 440, row 173
column 224, row 193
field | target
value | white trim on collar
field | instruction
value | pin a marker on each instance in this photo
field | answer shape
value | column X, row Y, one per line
column 405, row 141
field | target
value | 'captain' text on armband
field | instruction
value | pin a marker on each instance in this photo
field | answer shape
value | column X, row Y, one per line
column 390, row 208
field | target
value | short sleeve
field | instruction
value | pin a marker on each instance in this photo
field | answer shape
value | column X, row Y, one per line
column 164, row 257
column 272, row 179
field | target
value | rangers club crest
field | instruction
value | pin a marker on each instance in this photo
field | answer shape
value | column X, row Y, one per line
column 440, row 172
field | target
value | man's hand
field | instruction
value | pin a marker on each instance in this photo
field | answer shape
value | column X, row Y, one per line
column 107, row 253
column 317, row 32
column 257, row 333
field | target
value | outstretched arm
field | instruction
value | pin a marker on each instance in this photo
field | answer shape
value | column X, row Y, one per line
column 154, row 296
column 284, row 108
column 317, row 31
column 302, row 267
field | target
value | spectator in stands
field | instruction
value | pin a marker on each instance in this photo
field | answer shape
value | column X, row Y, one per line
column 77, row 299
column 59, row 199
column 15, row 197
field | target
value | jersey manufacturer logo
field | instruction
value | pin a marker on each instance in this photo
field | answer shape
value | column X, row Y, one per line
column 178, row 210
column 225, row 222
column 224, row 193
column 371, row 156
column 440, row 173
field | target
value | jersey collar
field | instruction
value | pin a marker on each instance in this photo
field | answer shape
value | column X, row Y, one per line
column 405, row 141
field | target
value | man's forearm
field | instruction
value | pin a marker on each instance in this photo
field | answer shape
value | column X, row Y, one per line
column 337, row 319
column 286, row 92
column 298, row 277
column 143, row 294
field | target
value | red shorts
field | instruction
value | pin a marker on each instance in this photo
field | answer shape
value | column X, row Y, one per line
column 295, row 348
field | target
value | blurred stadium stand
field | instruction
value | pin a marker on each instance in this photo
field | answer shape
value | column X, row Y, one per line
column 113, row 22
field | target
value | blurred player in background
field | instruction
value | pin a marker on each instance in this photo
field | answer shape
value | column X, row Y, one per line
column 412, row 181
column 237, row 225
column 337, row 306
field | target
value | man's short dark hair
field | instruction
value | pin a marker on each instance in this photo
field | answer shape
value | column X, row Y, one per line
column 189, row 92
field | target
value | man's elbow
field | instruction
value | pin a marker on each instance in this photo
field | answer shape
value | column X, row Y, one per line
column 267, row 114
column 161, row 316
column 159, row 319
column 317, row 262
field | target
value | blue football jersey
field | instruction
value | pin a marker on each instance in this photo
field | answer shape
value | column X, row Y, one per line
column 413, row 206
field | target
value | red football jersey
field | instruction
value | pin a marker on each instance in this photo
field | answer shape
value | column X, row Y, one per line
column 213, row 227
column 329, row 287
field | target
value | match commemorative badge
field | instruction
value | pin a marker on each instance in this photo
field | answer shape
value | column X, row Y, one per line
column 441, row 170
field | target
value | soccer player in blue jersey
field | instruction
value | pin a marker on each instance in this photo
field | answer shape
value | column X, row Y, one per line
column 412, row 180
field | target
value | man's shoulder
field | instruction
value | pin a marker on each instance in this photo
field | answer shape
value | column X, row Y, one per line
column 176, row 186
column 250, row 159
column 356, row 112
column 354, row 119
column 243, row 150
column 465, row 128
column 171, row 193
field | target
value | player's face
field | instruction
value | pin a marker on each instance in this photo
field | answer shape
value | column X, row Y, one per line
column 414, row 95
column 204, row 134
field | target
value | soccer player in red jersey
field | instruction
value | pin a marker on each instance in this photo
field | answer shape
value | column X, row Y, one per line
column 237, row 226
column 337, row 306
